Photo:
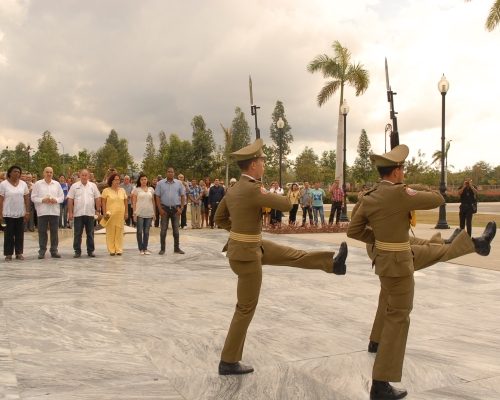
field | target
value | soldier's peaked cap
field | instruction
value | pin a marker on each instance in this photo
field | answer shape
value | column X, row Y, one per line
column 393, row 158
column 249, row 152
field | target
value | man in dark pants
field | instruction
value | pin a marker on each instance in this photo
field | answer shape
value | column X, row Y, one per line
column 128, row 187
column 170, row 197
column 157, row 214
column 240, row 212
column 306, row 204
column 84, row 200
column 468, row 201
column 382, row 218
column 215, row 195
column 337, row 195
column 183, row 221
column 47, row 196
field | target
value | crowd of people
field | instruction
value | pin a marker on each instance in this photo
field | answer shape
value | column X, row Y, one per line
column 80, row 203
column 380, row 219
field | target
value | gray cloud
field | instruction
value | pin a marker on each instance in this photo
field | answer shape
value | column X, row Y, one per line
column 82, row 68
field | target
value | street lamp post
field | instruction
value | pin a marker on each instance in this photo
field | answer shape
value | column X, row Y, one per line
column 280, row 125
column 63, row 166
column 28, row 150
column 344, row 109
column 443, row 87
column 388, row 130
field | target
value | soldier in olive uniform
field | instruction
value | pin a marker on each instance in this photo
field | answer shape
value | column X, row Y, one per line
column 427, row 252
column 240, row 212
column 382, row 218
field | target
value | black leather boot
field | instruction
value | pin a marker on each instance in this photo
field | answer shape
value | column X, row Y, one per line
column 453, row 236
column 236, row 368
column 372, row 347
column 384, row 391
column 339, row 267
column 482, row 244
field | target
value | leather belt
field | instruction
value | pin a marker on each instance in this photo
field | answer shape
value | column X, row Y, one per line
column 243, row 237
column 388, row 246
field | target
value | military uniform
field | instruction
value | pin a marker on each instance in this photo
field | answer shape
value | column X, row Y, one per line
column 426, row 252
column 383, row 219
column 240, row 212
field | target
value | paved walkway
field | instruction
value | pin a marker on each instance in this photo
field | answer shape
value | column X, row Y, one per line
column 152, row 327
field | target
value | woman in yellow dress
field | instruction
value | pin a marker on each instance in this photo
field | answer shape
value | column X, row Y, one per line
column 114, row 202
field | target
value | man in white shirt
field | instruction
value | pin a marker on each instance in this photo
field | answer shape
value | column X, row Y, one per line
column 83, row 200
column 47, row 195
column 276, row 215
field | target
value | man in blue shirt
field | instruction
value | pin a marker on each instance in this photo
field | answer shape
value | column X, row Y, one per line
column 318, row 195
column 170, row 196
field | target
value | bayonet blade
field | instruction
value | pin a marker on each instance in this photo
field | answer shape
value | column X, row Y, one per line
column 387, row 76
column 250, row 86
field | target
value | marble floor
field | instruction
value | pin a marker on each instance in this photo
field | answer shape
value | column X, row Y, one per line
column 152, row 327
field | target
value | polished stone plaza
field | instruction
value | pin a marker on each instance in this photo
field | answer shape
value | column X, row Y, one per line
column 152, row 327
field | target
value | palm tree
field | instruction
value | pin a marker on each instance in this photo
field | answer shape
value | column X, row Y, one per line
column 342, row 72
column 436, row 156
column 228, row 141
column 493, row 17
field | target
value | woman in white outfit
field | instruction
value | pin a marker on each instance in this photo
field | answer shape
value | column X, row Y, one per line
column 143, row 205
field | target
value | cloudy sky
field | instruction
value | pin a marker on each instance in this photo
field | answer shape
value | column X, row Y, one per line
column 81, row 68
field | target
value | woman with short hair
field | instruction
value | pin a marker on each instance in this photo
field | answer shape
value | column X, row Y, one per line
column 114, row 202
column 14, row 210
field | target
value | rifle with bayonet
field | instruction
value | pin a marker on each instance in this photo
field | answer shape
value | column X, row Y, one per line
column 390, row 98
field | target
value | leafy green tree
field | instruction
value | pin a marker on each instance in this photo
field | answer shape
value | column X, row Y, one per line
column 240, row 137
column 283, row 136
column 106, row 157
column 240, row 130
column 47, row 155
column 162, row 152
column 226, row 151
column 150, row 160
column 84, row 159
column 307, row 166
column 341, row 72
column 20, row 156
column 362, row 170
column 7, row 158
column 271, row 171
column 495, row 176
column 203, row 147
column 124, row 161
column 417, row 170
column 480, row 173
column 327, row 166
column 179, row 156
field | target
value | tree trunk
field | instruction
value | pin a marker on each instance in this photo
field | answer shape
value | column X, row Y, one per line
column 340, row 149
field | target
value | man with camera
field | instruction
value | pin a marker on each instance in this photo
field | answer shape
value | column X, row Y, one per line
column 468, row 204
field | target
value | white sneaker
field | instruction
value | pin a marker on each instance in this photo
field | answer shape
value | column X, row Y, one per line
column 141, row 253
column 146, row 252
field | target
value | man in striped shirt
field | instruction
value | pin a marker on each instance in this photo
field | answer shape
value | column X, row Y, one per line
column 337, row 195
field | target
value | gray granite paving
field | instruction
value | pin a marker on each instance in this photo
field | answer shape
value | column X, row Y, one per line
column 152, row 327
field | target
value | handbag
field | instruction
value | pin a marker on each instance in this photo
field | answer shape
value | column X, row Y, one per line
column 474, row 208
